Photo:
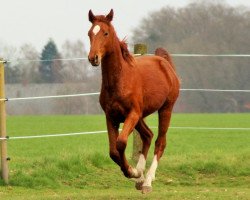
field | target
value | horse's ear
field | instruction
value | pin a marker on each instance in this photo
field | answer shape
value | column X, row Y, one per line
column 109, row 17
column 91, row 16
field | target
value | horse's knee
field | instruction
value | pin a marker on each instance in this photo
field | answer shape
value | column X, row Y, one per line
column 121, row 144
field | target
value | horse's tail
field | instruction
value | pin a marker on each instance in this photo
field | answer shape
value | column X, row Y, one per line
column 163, row 53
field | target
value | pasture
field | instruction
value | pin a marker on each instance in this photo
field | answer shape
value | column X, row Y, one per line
column 197, row 164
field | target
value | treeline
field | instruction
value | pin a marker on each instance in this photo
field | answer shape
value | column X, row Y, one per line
column 51, row 72
column 29, row 66
column 204, row 28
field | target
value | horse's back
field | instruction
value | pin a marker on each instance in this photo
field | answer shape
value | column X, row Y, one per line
column 156, row 70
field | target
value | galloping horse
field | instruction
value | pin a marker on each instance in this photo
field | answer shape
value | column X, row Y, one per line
column 132, row 88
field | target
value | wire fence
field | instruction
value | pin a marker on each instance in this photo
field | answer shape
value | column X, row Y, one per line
column 202, row 55
column 105, row 131
column 50, row 97
column 97, row 93
column 85, row 58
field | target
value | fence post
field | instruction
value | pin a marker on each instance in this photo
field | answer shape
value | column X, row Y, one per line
column 4, row 161
column 137, row 143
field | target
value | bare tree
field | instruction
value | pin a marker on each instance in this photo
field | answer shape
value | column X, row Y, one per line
column 30, row 73
column 74, row 70
column 206, row 28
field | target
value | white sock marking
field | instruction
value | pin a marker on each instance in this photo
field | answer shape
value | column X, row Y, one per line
column 141, row 163
column 96, row 29
column 151, row 172
column 140, row 167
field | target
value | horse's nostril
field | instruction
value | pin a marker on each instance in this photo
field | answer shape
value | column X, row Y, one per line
column 96, row 57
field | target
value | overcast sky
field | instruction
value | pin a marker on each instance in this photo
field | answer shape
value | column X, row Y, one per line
column 35, row 21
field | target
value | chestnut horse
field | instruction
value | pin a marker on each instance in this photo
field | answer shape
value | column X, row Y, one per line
column 132, row 88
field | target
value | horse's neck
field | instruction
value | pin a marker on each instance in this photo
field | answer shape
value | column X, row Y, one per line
column 112, row 69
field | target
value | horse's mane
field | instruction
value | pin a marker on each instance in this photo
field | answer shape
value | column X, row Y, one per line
column 102, row 18
column 125, row 52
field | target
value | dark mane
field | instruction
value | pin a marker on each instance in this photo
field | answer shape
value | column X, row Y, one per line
column 125, row 52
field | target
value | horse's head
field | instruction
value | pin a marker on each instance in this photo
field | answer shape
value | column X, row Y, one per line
column 100, row 35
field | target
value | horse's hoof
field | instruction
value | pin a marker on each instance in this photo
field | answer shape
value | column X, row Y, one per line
column 138, row 185
column 146, row 189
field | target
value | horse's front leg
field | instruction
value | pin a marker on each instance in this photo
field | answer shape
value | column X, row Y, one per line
column 113, row 132
column 129, row 125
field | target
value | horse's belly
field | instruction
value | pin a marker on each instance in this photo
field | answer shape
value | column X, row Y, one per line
column 151, row 108
column 152, row 104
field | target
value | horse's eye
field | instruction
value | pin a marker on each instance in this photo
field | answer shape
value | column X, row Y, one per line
column 106, row 34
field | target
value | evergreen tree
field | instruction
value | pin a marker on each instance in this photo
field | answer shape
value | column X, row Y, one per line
column 49, row 68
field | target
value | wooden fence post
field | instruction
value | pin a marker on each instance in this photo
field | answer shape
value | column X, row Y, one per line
column 137, row 143
column 4, row 160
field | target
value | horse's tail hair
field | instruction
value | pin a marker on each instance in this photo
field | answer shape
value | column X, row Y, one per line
column 163, row 53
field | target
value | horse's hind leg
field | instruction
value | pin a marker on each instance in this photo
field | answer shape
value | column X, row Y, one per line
column 146, row 136
column 160, row 144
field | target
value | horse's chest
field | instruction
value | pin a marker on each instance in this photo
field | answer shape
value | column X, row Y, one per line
column 115, row 107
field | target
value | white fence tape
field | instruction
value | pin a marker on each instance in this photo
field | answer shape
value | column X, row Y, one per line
column 98, row 132
column 53, row 135
column 173, row 54
column 199, row 55
column 51, row 97
column 37, row 60
column 97, row 93
column 210, row 55
column 214, row 90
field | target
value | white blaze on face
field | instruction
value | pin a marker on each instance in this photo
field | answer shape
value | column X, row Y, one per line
column 96, row 29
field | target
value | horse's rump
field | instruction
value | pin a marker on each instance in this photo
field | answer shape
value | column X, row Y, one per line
column 164, row 54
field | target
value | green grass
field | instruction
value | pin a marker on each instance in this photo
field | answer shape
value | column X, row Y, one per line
column 197, row 164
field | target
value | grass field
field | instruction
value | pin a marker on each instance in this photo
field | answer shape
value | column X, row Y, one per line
column 197, row 164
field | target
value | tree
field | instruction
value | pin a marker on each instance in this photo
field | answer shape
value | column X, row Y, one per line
column 78, row 77
column 12, row 73
column 50, row 66
column 30, row 73
column 74, row 70
column 206, row 28
column 12, row 70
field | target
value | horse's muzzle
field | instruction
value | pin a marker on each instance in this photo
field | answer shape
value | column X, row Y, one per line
column 95, row 60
